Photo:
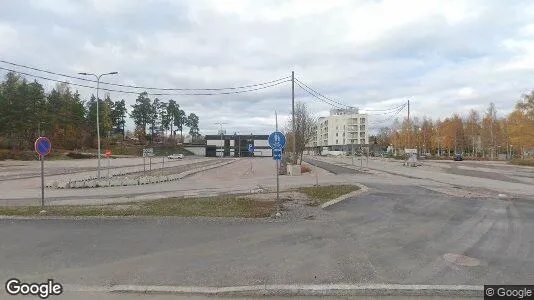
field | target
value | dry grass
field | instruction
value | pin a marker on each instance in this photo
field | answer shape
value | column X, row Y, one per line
column 224, row 206
column 522, row 162
column 322, row 194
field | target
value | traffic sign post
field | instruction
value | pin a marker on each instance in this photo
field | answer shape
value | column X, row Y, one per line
column 107, row 154
column 43, row 148
column 277, row 141
column 147, row 152
column 277, row 154
column 251, row 152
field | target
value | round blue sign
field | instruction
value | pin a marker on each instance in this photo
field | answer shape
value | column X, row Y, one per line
column 277, row 140
column 43, row 146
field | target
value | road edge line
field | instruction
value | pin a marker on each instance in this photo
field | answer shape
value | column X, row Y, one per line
column 298, row 290
column 363, row 189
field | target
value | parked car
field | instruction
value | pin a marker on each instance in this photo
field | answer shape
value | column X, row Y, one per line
column 458, row 157
column 175, row 156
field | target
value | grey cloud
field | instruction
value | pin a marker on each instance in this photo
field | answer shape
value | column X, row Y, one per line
column 173, row 44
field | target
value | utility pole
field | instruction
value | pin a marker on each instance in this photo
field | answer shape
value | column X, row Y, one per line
column 409, row 126
column 293, row 118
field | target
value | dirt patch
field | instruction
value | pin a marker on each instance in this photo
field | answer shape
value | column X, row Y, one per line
column 284, row 197
column 456, row 191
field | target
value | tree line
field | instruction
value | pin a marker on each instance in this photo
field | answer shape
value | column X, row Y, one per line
column 473, row 134
column 28, row 111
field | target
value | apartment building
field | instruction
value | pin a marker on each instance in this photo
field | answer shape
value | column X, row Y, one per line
column 342, row 130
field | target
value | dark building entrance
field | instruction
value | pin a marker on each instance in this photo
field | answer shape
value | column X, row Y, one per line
column 237, row 145
column 211, row 151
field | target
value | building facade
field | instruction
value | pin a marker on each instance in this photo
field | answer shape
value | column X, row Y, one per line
column 235, row 145
column 342, row 130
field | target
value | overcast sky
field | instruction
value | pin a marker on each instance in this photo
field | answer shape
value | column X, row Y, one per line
column 445, row 56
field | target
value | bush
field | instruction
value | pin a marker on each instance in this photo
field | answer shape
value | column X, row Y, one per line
column 78, row 155
column 305, row 169
column 5, row 154
column 522, row 162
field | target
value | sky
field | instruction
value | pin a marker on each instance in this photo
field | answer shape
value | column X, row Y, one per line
column 444, row 56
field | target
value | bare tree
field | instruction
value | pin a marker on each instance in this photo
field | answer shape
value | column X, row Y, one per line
column 304, row 128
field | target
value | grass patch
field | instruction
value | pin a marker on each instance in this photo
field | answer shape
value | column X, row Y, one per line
column 223, row 206
column 171, row 150
column 322, row 194
column 522, row 162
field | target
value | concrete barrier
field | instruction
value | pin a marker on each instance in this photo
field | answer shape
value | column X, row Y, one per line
column 90, row 184
column 78, row 184
column 115, row 182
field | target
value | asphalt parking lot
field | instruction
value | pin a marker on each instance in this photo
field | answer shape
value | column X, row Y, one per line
column 402, row 231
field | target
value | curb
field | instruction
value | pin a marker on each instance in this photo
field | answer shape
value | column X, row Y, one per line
column 298, row 290
column 133, row 182
column 363, row 189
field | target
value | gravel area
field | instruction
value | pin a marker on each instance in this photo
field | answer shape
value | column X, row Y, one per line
column 294, row 206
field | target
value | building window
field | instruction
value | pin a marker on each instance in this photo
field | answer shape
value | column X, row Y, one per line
column 362, row 120
column 337, row 128
column 343, row 134
column 337, row 142
column 337, row 134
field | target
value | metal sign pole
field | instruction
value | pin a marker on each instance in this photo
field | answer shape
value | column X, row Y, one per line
column 144, row 163
column 277, row 187
column 150, row 163
column 42, row 182
column 277, row 174
column 367, row 160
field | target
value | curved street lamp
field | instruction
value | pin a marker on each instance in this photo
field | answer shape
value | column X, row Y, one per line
column 97, row 111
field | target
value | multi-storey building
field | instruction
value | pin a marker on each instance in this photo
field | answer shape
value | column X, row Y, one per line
column 342, row 130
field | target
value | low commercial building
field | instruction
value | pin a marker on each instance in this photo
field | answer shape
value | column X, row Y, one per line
column 236, row 145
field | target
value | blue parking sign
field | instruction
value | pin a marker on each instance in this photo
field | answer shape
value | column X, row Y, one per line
column 277, row 154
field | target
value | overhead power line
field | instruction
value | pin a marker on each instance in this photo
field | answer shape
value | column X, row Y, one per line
column 387, row 109
column 153, row 94
column 143, row 87
column 397, row 109
column 317, row 96
column 321, row 95
column 396, row 113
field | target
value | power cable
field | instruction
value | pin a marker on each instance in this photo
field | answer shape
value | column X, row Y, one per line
column 321, row 95
column 318, row 97
column 388, row 118
column 400, row 108
column 151, row 94
column 387, row 109
column 142, row 87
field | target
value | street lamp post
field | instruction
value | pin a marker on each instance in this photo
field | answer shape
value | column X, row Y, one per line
column 98, row 112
